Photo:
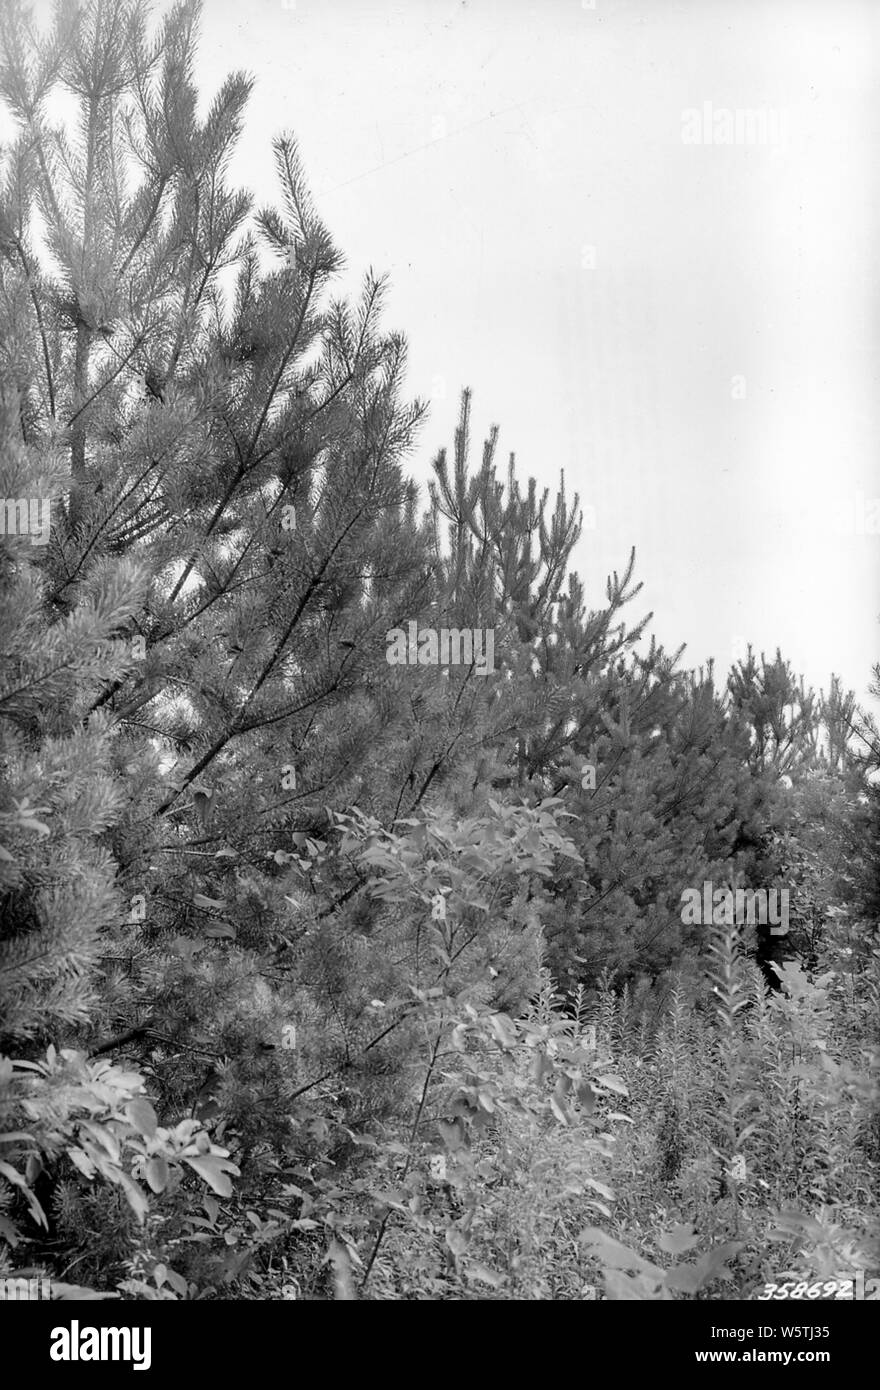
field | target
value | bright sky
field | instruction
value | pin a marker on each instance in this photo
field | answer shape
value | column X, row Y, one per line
column 689, row 331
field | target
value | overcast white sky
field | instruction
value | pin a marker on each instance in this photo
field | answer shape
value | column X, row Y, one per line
column 487, row 154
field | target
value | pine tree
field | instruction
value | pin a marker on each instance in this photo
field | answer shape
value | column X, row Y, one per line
column 242, row 457
column 58, row 897
column 781, row 711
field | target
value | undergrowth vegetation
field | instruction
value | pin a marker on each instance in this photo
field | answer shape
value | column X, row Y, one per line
column 689, row 1139
column 322, row 975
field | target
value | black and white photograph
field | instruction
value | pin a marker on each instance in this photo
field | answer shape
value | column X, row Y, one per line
column 439, row 670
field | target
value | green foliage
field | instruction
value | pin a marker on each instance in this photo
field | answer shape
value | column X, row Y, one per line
column 91, row 1120
column 398, row 948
